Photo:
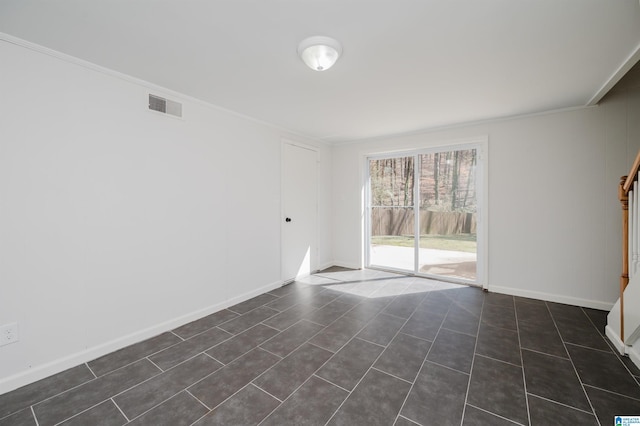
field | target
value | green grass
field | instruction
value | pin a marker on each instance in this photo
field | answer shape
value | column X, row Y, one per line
column 457, row 242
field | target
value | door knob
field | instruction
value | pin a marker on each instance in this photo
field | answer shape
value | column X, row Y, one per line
column 288, row 219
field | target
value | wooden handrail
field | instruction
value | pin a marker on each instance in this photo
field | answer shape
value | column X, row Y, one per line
column 632, row 175
column 623, row 195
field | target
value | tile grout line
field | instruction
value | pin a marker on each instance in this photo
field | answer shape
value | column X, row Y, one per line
column 250, row 382
column 318, row 369
column 83, row 411
column 449, row 368
column 227, row 398
column 331, row 383
column 154, row 364
column 369, row 341
column 366, row 323
column 591, row 348
column 92, row 372
column 156, row 405
column 611, row 392
column 120, row 409
column 203, row 404
column 203, row 352
column 407, row 419
column 268, row 351
column 496, row 415
column 178, row 336
column 547, row 354
column 375, row 360
column 560, row 403
column 501, row 361
column 389, row 374
column 57, row 394
column 424, row 361
column 462, row 332
column 524, row 376
column 416, row 337
column 473, row 360
column 575, row 370
column 147, row 356
column 198, row 399
column 217, row 360
column 156, row 376
column 310, row 338
column 313, row 374
column 280, row 401
column 425, row 356
column 33, row 413
column 277, row 312
column 209, row 375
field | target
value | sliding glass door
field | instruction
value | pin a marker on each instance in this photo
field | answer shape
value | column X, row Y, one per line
column 423, row 213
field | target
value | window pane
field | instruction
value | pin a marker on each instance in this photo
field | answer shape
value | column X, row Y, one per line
column 392, row 222
column 448, row 207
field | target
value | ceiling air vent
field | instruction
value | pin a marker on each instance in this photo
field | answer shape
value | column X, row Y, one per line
column 165, row 106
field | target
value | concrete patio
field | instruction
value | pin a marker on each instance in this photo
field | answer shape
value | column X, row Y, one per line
column 455, row 264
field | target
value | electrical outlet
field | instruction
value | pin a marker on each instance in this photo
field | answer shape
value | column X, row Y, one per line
column 9, row 333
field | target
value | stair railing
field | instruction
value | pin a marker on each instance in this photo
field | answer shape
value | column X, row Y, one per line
column 630, row 203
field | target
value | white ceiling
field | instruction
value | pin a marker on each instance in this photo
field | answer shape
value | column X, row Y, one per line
column 407, row 65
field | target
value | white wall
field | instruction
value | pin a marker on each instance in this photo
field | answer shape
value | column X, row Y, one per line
column 117, row 223
column 553, row 209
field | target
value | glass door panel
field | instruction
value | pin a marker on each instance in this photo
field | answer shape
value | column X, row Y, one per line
column 448, row 208
column 392, row 241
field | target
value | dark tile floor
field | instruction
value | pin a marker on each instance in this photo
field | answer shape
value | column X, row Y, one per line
column 353, row 348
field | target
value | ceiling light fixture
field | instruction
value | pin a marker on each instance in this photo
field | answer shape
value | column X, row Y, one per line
column 319, row 52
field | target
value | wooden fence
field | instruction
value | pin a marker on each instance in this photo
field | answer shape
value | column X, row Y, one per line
column 400, row 221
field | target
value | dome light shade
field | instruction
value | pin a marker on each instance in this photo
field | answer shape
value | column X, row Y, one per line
column 319, row 53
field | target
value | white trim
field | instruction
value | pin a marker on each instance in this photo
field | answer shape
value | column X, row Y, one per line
column 453, row 126
column 148, row 85
column 432, row 147
column 417, row 175
column 634, row 354
column 626, row 65
column 632, row 351
column 615, row 339
column 39, row 372
column 300, row 144
column 365, row 202
column 576, row 301
column 482, row 216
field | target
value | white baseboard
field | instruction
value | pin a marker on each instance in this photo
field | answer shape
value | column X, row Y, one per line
column 39, row 372
column 586, row 303
column 615, row 339
column 632, row 351
column 634, row 354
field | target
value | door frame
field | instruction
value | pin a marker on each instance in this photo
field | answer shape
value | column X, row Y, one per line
column 481, row 143
column 315, row 251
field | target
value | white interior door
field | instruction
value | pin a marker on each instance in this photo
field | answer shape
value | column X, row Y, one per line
column 299, row 211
